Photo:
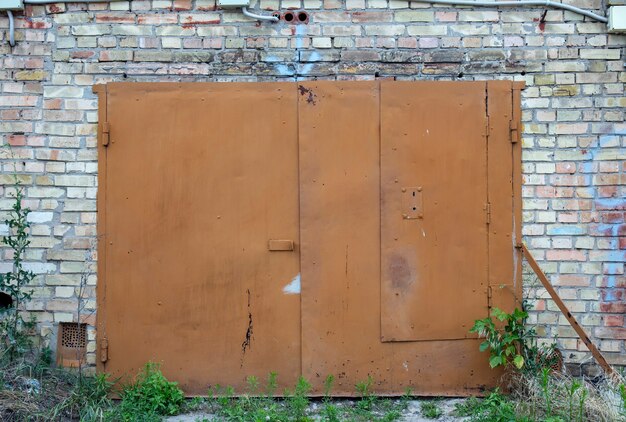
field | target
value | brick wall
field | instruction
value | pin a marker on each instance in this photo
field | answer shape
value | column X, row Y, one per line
column 573, row 111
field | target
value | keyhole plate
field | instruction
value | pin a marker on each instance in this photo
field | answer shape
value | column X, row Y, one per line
column 412, row 203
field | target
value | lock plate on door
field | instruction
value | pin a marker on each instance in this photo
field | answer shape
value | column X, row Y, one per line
column 412, row 203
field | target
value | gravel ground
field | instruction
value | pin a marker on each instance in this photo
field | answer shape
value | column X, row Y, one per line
column 412, row 413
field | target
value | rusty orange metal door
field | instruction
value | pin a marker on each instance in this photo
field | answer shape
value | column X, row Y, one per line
column 201, row 187
column 394, row 216
column 319, row 228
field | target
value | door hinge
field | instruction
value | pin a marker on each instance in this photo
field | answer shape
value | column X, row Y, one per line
column 488, row 212
column 104, row 350
column 489, row 295
column 513, row 132
column 105, row 130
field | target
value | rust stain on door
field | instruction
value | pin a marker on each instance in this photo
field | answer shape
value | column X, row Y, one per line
column 309, row 228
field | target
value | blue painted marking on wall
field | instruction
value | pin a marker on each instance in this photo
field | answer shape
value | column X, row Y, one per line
column 613, row 260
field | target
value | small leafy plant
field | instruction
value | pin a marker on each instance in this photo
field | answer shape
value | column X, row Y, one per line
column 14, row 330
column 150, row 396
column 515, row 344
column 505, row 345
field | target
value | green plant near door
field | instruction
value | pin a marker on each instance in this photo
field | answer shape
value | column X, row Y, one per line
column 14, row 329
column 511, row 341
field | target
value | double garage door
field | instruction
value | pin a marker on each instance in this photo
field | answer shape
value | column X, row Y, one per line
column 312, row 228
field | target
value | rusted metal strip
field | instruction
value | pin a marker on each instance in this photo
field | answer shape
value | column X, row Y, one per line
column 570, row 318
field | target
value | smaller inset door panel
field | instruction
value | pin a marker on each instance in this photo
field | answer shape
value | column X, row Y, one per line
column 433, row 209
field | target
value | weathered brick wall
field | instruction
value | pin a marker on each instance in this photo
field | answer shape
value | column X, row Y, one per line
column 573, row 112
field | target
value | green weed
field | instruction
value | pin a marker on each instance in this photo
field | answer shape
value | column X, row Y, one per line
column 330, row 412
column 364, row 389
column 150, row 396
column 430, row 410
column 272, row 384
column 467, row 407
column 253, row 406
column 88, row 400
column 545, row 389
column 493, row 408
column 574, row 387
column 299, row 401
column 621, row 390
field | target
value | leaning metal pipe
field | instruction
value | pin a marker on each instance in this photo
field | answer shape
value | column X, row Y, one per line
column 256, row 16
column 11, row 29
column 545, row 3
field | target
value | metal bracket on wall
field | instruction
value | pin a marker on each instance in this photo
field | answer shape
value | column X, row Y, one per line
column 105, row 130
column 608, row 369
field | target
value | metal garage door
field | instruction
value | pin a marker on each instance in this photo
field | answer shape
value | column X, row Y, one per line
column 345, row 228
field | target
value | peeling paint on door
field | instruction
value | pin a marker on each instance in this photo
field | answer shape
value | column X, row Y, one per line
column 293, row 288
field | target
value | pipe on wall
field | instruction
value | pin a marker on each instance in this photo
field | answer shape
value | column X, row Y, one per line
column 256, row 16
column 11, row 28
column 518, row 3
column 271, row 18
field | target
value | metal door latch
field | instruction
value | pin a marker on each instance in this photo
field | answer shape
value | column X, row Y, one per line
column 280, row 245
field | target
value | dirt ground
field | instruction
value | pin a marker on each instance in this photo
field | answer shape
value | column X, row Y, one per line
column 411, row 414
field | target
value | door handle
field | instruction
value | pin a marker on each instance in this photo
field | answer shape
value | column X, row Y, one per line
column 280, row 245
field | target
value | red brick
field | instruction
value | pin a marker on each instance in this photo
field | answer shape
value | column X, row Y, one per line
column 183, row 5
column 17, row 140
column 613, row 217
column 117, row 18
column 83, row 54
column 157, row 19
column 10, row 114
column 613, row 320
column 608, row 191
column 568, row 168
column 53, row 104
